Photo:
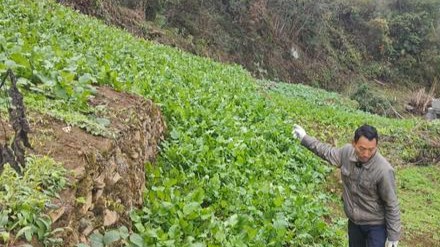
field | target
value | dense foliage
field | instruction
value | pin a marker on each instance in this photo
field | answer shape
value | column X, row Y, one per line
column 325, row 42
column 23, row 200
column 229, row 173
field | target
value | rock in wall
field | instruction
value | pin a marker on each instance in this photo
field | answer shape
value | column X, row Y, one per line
column 108, row 175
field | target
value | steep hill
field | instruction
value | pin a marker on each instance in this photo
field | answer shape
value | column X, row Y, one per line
column 336, row 45
column 228, row 172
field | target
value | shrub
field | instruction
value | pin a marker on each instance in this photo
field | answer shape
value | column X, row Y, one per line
column 369, row 101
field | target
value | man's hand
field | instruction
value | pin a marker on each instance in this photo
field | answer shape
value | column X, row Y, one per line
column 298, row 132
column 391, row 243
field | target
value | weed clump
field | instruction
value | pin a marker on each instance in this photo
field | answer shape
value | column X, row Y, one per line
column 371, row 102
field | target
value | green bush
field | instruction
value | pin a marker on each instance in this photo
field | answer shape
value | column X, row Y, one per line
column 378, row 70
column 369, row 101
column 377, row 39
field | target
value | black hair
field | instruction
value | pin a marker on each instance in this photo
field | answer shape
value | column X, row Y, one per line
column 367, row 131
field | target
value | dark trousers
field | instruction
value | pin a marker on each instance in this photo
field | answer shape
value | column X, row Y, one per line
column 366, row 235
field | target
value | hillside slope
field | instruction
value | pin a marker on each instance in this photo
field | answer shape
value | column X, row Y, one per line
column 335, row 45
column 229, row 173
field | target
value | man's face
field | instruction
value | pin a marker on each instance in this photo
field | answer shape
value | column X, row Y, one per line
column 365, row 149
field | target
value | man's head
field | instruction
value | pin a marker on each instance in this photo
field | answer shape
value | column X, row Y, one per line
column 365, row 142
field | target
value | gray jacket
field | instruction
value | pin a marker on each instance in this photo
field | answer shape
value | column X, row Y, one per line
column 369, row 190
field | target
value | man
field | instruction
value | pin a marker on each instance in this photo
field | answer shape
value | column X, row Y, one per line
column 369, row 190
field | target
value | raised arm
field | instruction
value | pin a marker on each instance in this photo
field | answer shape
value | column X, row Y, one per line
column 323, row 150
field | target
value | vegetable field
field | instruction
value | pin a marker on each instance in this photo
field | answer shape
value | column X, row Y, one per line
column 228, row 173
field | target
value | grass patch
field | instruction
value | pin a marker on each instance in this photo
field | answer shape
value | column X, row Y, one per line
column 419, row 193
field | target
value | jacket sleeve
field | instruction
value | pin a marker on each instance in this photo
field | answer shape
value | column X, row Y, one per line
column 323, row 150
column 387, row 191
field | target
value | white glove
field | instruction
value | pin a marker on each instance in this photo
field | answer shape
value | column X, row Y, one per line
column 391, row 243
column 298, row 132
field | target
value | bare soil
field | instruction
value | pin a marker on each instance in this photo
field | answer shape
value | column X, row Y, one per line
column 108, row 173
